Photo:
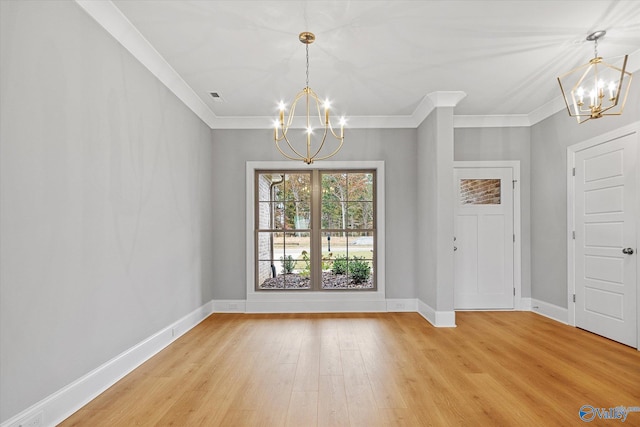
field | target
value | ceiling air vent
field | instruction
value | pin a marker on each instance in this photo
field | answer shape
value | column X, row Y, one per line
column 216, row 96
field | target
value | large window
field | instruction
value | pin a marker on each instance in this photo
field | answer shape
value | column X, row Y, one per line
column 315, row 230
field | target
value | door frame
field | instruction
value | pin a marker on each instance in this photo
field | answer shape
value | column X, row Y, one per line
column 633, row 128
column 518, row 302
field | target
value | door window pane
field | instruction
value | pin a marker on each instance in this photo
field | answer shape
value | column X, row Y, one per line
column 480, row 192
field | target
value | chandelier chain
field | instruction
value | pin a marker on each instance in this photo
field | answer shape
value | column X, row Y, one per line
column 595, row 48
column 307, row 65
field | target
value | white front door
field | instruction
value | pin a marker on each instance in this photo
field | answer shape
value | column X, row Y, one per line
column 605, row 239
column 484, row 238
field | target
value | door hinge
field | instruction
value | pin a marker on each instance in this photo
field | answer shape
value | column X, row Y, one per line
column 574, row 297
column 514, row 292
column 574, row 234
column 514, row 238
column 574, row 171
column 514, row 183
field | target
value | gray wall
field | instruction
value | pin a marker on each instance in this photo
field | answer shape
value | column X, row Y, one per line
column 435, row 210
column 106, row 199
column 504, row 144
column 233, row 148
column 427, row 200
column 549, row 141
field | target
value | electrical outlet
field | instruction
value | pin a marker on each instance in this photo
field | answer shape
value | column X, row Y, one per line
column 32, row 421
column 173, row 332
column 399, row 306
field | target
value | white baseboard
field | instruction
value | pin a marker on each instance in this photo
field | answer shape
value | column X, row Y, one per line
column 524, row 304
column 60, row 405
column 401, row 305
column 230, row 306
column 551, row 311
column 440, row 319
column 316, row 306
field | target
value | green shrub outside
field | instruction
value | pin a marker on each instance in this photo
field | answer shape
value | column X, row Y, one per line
column 288, row 264
column 359, row 270
column 339, row 265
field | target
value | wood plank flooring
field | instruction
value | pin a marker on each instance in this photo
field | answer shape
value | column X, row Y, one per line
column 378, row 369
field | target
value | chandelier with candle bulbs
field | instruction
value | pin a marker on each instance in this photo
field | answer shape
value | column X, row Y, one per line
column 595, row 89
column 311, row 147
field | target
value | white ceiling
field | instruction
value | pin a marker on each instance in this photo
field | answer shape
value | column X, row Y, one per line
column 377, row 59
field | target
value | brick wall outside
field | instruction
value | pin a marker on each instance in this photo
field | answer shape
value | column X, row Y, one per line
column 480, row 191
column 264, row 216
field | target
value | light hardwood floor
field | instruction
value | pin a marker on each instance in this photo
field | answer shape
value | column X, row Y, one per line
column 379, row 369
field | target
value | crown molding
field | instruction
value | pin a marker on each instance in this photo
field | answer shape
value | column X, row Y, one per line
column 505, row 121
column 446, row 98
column 546, row 110
column 435, row 100
column 115, row 23
column 352, row 122
column 106, row 14
column 422, row 111
column 380, row 122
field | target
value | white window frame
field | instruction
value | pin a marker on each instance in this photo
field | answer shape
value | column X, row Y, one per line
column 314, row 301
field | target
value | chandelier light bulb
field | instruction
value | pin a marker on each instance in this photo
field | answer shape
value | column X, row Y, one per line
column 612, row 90
column 592, row 95
column 601, row 88
column 580, row 93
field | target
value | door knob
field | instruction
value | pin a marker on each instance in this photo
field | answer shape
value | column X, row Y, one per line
column 455, row 248
column 627, row 251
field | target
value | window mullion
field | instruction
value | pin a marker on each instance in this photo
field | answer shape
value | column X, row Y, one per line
column 316, row 238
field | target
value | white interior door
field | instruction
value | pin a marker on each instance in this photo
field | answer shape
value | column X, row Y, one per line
column 605, row 239
column 484, row 237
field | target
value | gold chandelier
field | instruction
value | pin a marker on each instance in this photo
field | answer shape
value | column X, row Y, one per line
column 308, row 151
column 594, row 90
